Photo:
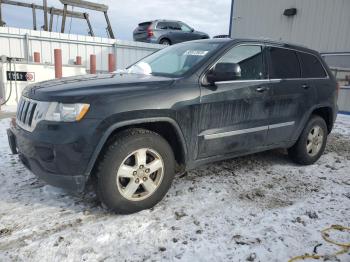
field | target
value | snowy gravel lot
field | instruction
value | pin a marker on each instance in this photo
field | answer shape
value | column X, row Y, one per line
column 256, row 208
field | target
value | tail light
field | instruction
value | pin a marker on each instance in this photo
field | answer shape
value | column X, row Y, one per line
column 150, row 32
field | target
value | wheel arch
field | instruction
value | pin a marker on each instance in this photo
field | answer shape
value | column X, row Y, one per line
column 326, row 112
column 165, row 38
column 160, row 125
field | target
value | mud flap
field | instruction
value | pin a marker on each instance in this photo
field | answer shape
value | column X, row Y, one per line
column 12, row 142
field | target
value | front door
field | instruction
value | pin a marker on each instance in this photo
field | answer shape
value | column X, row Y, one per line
column 234, row 114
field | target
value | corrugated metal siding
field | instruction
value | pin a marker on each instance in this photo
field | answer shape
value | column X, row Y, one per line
column 13, row 43
column 323, row 25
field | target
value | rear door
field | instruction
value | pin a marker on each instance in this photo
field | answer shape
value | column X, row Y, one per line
column 317, row 78
column 234, row 115
column 292, row 96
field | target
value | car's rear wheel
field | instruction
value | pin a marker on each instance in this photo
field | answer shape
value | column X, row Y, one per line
column 311, row 143
column 135, row 172
column 165, row 41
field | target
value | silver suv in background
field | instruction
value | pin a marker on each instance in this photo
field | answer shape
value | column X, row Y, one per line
column 166, row 32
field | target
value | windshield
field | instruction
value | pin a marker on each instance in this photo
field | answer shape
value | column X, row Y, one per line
column 174, row 60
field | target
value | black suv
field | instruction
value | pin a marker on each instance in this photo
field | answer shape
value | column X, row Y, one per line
column 184, row 106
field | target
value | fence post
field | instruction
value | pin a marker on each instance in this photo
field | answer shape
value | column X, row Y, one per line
column 36, row 57
column 92, row 64
column 58, row 63
column 111, row 63
column 78, row 60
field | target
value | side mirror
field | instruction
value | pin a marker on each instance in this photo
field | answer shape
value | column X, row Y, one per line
column 224, row 72
column 192, row 29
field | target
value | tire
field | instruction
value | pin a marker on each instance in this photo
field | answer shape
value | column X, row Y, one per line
column 119, row 171
column 165, row 41
column 308, row 149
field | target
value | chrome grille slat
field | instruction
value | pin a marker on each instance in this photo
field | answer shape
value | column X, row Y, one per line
column 30, row 112
column 23, row 108
column 20, row 109
column 24, row 112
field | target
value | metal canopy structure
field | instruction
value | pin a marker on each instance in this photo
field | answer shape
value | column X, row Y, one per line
column 86, row 5
column 61, row 12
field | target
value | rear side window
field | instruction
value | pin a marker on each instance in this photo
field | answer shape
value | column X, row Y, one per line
column 174, row 26
column 311, row 66
column 283, row 63
column 145, row 25
column 162, row 25
column 249, row 58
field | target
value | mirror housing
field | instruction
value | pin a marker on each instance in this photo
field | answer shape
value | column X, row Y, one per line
column 224, row 72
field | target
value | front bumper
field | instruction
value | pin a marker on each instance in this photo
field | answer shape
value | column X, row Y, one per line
column 57, row 154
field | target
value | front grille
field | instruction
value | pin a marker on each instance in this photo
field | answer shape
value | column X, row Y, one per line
column 25, row 112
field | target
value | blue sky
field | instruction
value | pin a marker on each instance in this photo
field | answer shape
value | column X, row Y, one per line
column 204, row 15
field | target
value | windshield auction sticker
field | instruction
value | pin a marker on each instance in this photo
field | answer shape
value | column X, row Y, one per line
column 196, row 53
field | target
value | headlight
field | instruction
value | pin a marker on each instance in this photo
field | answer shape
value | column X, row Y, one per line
column 60, row 112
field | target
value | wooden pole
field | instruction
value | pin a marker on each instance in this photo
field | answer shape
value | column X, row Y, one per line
column 64, row 18
column 1, row 22
column 51, row 20
column 34, row 17
column 45, row 15
column 91, row 32
column 109, row 27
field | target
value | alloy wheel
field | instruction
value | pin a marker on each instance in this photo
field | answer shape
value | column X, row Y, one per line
column 315, row 140
column 140, row 174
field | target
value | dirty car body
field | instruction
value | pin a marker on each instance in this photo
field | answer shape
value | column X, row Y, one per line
column 203, row 121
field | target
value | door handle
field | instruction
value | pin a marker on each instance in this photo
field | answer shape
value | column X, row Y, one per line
column 305, row 86
column 262, row 89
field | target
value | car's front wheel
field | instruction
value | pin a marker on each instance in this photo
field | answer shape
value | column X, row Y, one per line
column 311, row 143
column 136, row 171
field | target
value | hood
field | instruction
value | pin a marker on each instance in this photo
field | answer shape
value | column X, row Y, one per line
column 78, row 88
column 201, row 33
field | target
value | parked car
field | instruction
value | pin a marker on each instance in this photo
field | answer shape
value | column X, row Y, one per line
column 184, row 106
column 166, row 32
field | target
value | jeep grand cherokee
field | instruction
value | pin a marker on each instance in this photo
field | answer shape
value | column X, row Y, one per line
column 184, row 106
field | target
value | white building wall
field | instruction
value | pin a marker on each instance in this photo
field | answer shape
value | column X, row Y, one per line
column 323, row 25
column 22, row 43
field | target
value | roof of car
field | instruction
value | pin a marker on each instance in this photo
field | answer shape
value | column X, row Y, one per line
column 166, row 20
column 261, row 41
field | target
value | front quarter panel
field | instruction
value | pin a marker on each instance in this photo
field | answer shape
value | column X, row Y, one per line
column 175, row 104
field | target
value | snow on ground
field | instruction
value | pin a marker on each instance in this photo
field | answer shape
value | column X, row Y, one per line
column 9, row 109
column 256, row 208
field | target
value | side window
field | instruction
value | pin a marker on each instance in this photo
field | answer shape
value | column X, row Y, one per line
column 174, row 26
column 162, row 25
column 283, row 63
column 249, row 58
column 311, row 67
